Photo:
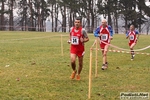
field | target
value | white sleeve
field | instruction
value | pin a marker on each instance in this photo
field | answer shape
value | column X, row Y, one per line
column 71, row 29
column 84, row 32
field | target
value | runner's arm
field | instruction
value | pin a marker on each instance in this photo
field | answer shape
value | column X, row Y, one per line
column 138, row 34
column 111, row 32
column 69, row 40
column 127, row 35
column 96, row 32
column 85, row 36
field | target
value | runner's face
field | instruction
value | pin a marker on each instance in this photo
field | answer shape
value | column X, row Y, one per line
column 104, row 23
column 131, row 27
column 77, row 23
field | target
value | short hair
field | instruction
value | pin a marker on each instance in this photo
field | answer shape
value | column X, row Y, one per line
column 132, row 25
column 104, row 20
column 79, row 18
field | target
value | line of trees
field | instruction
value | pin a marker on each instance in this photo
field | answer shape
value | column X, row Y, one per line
column 32, row 14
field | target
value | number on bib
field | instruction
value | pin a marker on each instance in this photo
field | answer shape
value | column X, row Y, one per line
column 104, row 37
column 74, row 40
column 131, row 37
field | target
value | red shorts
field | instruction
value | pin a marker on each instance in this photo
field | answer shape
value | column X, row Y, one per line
column 102, row 45
column 79, row 51
column 131, row 42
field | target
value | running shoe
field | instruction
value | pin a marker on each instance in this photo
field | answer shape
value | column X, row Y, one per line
column 73, row 74
column 78, row 77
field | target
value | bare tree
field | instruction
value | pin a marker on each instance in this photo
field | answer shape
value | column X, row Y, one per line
column 11, row 15
column 2, row 15
column 31, row 16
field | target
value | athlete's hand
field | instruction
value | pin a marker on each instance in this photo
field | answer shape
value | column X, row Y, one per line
column 81, row 39
column 111, row 38
column 69, row 41
column 100, row 34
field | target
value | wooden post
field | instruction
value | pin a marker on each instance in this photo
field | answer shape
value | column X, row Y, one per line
column 96, row 58
column 61, row 39
column 90, row 74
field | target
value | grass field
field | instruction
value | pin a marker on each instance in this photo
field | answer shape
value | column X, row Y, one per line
column 32, row 68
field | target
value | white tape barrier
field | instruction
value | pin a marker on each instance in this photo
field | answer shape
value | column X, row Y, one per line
column 32, row 38
column 129, row 52
column 126, row 49
column 122, row 50
column 119, row 51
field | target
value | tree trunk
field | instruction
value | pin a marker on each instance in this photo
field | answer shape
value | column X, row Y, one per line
column 148, row 26
column 64, row 20
column 22, row 24
column 147, row 29
column 42, row 17
column 31, row 16
column 11, row 27
column 109, row 18
column 2, row 16
column 52, row 17
column 92, row 17
column 116, row 22
column 24, row 15
column 63, row 13
column 56, row 16
column 126, row 25
column 140, row 19
column 70, row 20
column 39, row 16
column 88, row 22
column 88, row 17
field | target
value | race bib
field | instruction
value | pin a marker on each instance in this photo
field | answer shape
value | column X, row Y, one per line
column 104, row 37
column 74, row 40
column 131, row 37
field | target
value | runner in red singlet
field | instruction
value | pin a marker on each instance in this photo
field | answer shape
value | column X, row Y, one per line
column 105, row 33
column 133, row 36
column 78, row 36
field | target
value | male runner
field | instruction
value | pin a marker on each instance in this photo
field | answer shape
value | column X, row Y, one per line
column 78, row 36
column 133, row 35
column 105, row 33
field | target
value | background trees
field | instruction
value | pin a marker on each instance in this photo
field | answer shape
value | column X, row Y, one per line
column 2, row 15
column 33, row 15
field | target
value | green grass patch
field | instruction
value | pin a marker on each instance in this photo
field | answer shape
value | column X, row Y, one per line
column 32, row 68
